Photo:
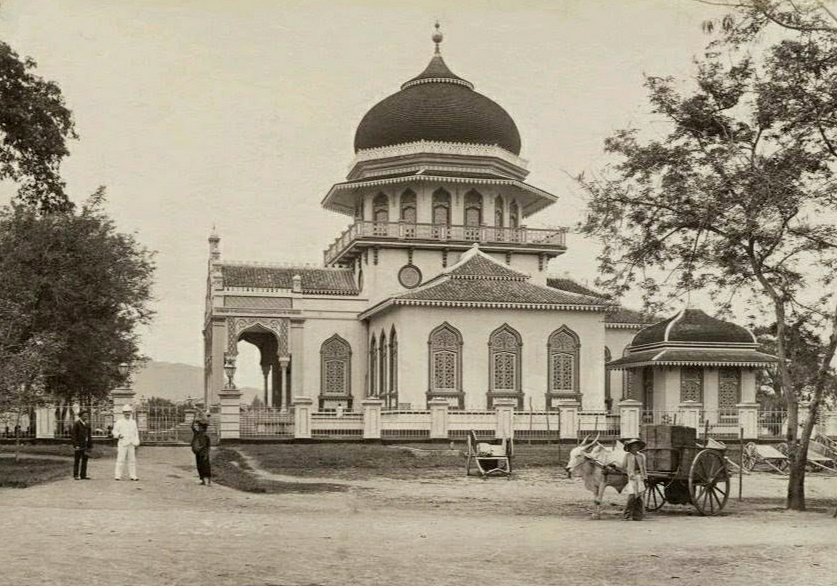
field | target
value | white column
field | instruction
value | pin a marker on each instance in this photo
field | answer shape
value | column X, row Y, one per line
column 748, row 419
column 372, row 418
column 286, row 391
column 268, row 399
column 438, row 418
column 230, row 413
column 302, row 417
column 629, row 418
column 689, row 414
column 568, row 417
column 504, row 409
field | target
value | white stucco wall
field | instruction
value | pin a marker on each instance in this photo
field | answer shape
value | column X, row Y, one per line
column 414, row 324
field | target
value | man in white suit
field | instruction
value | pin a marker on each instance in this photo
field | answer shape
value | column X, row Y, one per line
column 126, row 432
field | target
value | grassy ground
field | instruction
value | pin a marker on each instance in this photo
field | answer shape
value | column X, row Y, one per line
column 57, row 449
column 31, row 471
column 359, row 461
column 230, row 469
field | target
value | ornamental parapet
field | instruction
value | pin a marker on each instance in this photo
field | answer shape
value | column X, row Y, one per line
column 540, row 239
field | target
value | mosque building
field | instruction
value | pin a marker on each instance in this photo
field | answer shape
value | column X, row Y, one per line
column 437, row 289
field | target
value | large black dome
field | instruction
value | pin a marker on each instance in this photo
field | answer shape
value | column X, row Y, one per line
column 437, row 106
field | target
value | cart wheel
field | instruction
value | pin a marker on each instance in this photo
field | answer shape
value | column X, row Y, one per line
column 709, row 482
column 782, row 447
column 749, row 456
column 783, row 464
column 655, row 497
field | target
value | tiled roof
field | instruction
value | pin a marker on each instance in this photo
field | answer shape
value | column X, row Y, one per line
column 567, row 284
column 314, row 279
column 693, row 325
column 478, row 280
column 623, row 315
column 693, row 357
column 498, row 291
column 481, row 266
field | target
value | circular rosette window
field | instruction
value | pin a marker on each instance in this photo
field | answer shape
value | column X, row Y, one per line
column 409, row 276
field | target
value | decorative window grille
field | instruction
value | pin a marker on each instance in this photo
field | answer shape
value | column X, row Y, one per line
column 473, row 215
column 563, row 350
column 691, row 384
column 504, row 346
column 335, row 361
column 445, row 344
column 729, row 394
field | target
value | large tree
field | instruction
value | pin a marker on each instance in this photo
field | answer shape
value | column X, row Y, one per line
column 82, row 283
column 35, row 126
column 736, row 197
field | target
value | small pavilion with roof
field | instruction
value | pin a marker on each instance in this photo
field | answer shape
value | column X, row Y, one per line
column 692, row 361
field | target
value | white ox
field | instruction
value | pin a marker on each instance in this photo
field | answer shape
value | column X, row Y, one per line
column 600, row 467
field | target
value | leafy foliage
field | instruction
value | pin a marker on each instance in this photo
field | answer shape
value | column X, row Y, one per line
column 72, row 278
column 34, row 127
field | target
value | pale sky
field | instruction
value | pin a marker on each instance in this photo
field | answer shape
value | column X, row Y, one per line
column 242, row 114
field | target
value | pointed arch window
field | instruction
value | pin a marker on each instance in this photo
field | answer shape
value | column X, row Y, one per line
column 393, row 370
column 608, row 397
column 373, row 368
column 335, row 372
column 563, row 351
column 441, row 213
column 504, row 363
column 514, row 221
column 380, row 214
column 409, row 213
column 473, row 215
column 382, row 366
column 359, row 209
column 445, row 364
column 499, row 218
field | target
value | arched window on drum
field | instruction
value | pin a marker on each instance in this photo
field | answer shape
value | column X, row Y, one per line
column 380, row 214
column 409, row 213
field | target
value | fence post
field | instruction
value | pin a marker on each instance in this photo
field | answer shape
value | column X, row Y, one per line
column 121, row 397
column 302, row 417
column 690, row 414
column 438, row 418
column 629, row 418
column 748, row 420
column 230, row 413
column 44, row 422
column 504, row 408
column 568, row 417
column 372, row 418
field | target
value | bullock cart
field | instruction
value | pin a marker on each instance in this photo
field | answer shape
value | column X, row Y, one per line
column 755, row 454
column 682, row 470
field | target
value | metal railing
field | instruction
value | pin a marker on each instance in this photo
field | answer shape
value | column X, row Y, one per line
column 363, row 229
column 266, row 422
column 336, row 425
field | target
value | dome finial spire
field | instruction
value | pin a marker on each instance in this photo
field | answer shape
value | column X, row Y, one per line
column 437, row 37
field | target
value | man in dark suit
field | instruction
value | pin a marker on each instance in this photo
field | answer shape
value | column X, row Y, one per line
column 82, row 441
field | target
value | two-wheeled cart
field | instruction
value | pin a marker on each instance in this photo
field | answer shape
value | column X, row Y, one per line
column 682, row 470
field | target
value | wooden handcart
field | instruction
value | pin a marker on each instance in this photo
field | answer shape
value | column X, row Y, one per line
column 683, row 470
column 765, row 455
column 489, row 457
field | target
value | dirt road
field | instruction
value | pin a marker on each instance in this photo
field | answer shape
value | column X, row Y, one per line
column 534, row 529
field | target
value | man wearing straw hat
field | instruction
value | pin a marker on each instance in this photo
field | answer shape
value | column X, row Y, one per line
column 127, row 435
column 637, row 477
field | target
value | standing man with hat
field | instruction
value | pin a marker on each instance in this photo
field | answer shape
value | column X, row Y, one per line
column 82, row 437
column 126, row 432
column 200, row 447
column 637, row 476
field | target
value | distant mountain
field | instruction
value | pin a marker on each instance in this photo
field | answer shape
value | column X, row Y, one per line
column 175, row 382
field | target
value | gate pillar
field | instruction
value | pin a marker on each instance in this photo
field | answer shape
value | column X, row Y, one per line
column 690, row 414
column 629, row 418
column 438, row 418
column 302, row 417
column 568, row 417
column 44, row 422
column 372, row 418
column 504, row 408
column 748, row 419
column 230, row 413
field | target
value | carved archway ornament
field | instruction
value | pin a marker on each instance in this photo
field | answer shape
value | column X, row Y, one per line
column 279, row 326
